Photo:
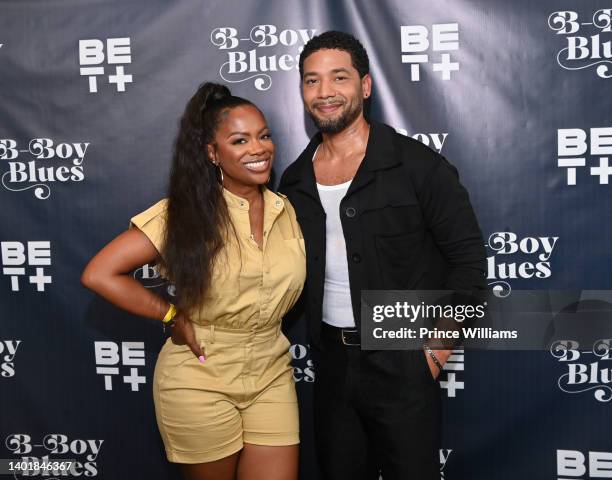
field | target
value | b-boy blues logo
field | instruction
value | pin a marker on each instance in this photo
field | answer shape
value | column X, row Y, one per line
column 82, row 455
column 434, row 141
column 507, row 263
column 149, row 276
column 8, row 350
column 588, row 42
column 44, row 162
column 587, row 370
column 444, row 454
column 303, row 367
column 266, row 49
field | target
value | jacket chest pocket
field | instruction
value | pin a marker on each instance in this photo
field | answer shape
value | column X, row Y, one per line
column 394, row 223
column 391, row 216
column 401, row 259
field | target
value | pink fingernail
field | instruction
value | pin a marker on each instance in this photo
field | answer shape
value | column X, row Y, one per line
column 202, row 358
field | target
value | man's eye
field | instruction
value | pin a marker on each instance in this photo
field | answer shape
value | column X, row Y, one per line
column 310, row 81
column 340, row 77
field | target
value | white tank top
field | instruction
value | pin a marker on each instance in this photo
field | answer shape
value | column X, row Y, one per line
column 337, row 307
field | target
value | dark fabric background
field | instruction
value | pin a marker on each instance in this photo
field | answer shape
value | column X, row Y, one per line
column 506, row 414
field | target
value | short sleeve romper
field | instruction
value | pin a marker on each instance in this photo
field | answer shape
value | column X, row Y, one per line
column 244, row 391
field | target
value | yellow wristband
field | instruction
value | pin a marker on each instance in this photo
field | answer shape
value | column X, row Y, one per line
column 170, row 314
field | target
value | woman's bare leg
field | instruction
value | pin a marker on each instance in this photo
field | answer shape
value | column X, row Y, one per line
column 223, row 469
column 262, row 462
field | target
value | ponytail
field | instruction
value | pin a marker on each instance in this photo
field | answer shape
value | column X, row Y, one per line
column 197, row 219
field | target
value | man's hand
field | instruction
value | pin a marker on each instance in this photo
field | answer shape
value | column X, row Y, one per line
column 442, row 356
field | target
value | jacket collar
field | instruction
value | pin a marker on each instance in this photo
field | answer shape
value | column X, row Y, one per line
column 379, row 155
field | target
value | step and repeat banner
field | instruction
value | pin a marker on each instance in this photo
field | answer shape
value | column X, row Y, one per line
column 517, row 95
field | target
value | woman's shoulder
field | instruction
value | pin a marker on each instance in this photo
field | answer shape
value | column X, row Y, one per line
column 288, row 207
column 290, row 217
column 286, row 203
column 152, row 222
column 157, row 210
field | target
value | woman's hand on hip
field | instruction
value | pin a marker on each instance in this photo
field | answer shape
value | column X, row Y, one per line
column 183, row 333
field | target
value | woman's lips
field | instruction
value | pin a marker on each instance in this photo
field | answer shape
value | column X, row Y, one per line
column 258, row 166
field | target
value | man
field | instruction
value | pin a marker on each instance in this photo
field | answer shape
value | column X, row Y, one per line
column 378, row 211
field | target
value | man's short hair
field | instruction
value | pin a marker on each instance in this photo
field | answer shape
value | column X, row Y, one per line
column 335, row 40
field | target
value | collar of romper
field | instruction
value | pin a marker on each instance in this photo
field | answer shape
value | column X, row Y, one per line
column 271, row 200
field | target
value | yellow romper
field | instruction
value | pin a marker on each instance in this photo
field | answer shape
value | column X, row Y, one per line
column 244, row 391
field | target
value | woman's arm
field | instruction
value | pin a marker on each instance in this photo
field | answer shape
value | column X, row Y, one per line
column 109, row 275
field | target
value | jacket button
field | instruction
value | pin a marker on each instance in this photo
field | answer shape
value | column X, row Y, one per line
column 350, row 212
column 356, row 258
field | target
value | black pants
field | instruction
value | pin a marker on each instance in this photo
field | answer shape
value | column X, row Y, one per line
column 375, row 410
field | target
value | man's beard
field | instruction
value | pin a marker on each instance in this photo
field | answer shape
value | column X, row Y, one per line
column 336, row 125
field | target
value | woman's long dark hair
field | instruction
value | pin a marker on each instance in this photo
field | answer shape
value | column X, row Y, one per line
column 197, row 217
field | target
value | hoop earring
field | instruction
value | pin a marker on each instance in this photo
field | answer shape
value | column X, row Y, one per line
column 216, row 164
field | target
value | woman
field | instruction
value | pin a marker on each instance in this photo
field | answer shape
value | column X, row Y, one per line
column 223, row 387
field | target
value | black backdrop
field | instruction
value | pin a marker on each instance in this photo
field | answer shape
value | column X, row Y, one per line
column 515, row 94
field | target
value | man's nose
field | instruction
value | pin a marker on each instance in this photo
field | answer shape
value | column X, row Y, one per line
column 326, row 89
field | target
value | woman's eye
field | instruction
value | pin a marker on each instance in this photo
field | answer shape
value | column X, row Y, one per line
column 266, row 136
column 238, row 141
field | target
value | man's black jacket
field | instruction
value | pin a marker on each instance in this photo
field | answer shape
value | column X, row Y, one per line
column 408, row 223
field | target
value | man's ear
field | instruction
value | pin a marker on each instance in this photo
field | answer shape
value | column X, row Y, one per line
column 366, row 85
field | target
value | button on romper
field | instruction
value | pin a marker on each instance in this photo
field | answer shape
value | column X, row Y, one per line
column 244, row 391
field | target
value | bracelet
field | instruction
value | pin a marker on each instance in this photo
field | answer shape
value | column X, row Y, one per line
column 168, row 320
column 433, row 356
